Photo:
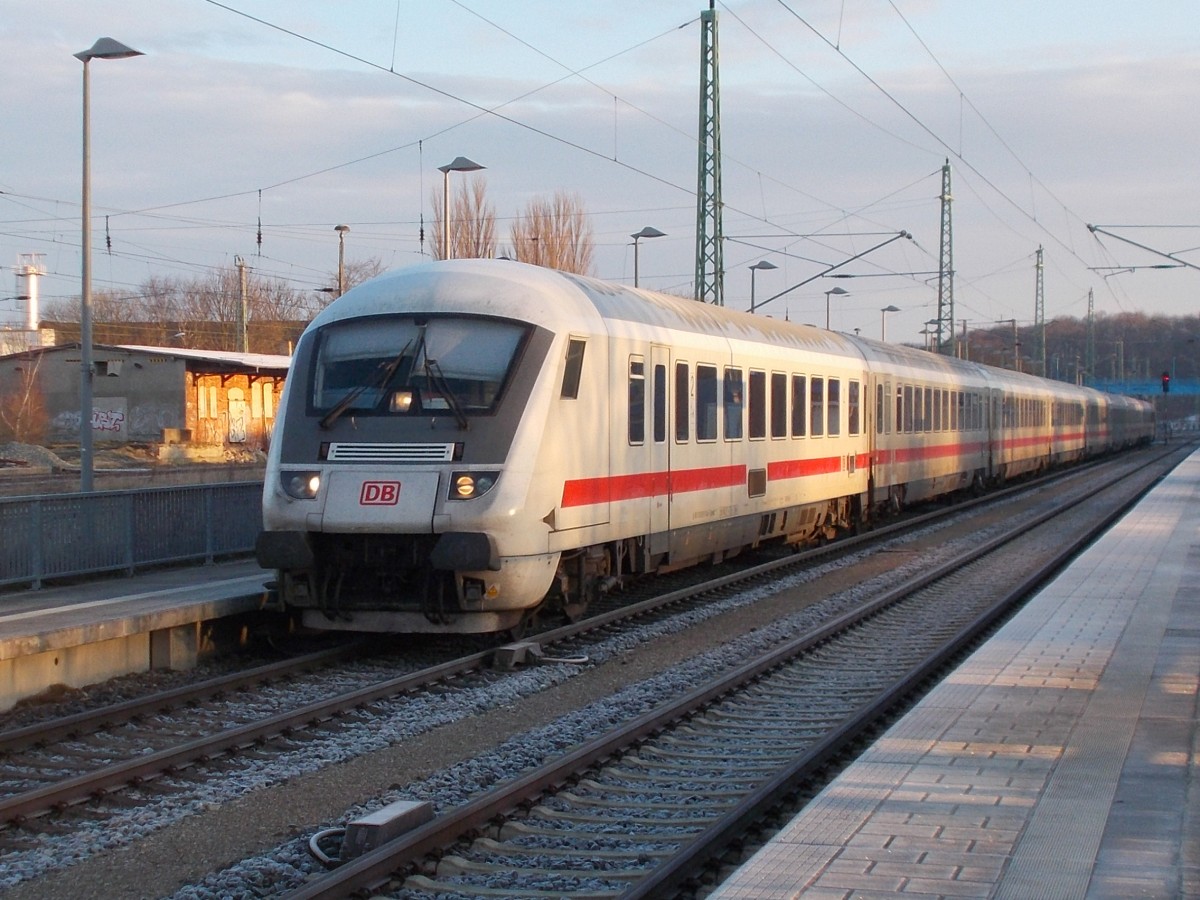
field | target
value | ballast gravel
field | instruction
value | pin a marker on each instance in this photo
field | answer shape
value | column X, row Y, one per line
column 443, row 747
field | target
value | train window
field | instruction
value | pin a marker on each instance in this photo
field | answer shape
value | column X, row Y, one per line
column 852, row 407
column 573, row 369
column 682, row 425
column 898, row 422
column 908, row 408
column 937, row 410
column 834, row 390
column 799, row 406
column 660, row 403
column 927, row 418
column 637, row 400
column 880, row 407
column 758, row 404
column 945, row 410
column 816, row 406
column 778, row 405
column 706, row 403
column 733, row 398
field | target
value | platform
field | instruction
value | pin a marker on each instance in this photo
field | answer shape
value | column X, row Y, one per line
column 82, row 634
column 1060, row 761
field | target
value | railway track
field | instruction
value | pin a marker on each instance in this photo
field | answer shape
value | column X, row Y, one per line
column 649, row 808
column 286, row 728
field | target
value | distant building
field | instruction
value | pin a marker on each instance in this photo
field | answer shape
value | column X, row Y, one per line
column 153, row 394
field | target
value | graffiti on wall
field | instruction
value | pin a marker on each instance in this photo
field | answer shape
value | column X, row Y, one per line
column 109, row 419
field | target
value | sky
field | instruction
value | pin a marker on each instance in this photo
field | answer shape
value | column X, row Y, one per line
column 252, row 128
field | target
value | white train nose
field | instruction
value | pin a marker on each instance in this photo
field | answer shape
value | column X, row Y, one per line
column 365, row 499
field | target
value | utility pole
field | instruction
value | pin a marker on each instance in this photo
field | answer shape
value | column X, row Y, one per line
column 710, row 268
column 243, row 337
column 945, row 321
column 1039, row 317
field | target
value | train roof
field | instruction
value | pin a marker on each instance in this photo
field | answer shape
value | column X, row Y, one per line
column 565, row 302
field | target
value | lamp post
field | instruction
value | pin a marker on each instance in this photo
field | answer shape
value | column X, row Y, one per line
column 341, row 233
column 931, row 330
column 460, row 164
column 761, row 265
column 883, row 321
column 104, row 48
column 648, row 232
column 840, row 292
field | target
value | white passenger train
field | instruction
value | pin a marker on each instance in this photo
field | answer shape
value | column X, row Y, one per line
column 460, row 444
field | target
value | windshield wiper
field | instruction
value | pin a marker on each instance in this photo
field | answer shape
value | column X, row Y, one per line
column 434, row 376
column 385, row 374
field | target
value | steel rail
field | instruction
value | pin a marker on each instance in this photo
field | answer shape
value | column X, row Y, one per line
column 83, row 787
column 93, row 720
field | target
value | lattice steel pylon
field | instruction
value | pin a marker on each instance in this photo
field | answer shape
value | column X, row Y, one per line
column 945, row 324
column 710, row 266
column 1039, row 318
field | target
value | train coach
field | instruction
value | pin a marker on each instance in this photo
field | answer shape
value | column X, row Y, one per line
column 463, row 444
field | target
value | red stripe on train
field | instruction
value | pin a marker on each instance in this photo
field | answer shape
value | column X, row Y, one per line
column 607, row 489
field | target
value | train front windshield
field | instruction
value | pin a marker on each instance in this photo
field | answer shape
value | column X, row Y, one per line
column 412, row 366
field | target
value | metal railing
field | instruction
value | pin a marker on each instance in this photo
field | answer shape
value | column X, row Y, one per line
column 65, row 535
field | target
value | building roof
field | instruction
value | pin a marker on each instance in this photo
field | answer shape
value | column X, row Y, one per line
column 214, row 360
column 257, row 361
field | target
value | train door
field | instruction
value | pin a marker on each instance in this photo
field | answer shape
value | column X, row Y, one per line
column 660, row 448
column 875, row 420
column 995, row 432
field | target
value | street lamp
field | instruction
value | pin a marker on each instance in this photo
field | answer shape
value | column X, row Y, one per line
column 648, row 232
column 761, row 265
column 104, row 48
column 460, row 164
column 840, row 292
column 883, row 321
column 341, row 233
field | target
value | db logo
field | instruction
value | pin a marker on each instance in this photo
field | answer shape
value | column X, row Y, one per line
column 379, row 493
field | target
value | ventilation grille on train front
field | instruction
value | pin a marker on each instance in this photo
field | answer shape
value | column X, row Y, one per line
column 339, row 452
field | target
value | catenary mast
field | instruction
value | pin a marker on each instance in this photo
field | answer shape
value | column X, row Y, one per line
column 945, row 324
column 710, row 268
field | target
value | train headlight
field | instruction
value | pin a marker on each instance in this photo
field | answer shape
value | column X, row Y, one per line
column 469, row 485
column 301, row 485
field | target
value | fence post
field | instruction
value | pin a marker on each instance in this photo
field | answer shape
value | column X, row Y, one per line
column 39, row 557
column 209, row 540
column 130, row 535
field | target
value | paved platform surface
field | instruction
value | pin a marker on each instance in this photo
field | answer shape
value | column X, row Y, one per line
column 1059, row 761
column 106, row 608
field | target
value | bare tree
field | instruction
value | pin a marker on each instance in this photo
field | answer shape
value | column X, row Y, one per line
column 472, row 222
column 23, row 410
column 352, row 273
column 554, row 233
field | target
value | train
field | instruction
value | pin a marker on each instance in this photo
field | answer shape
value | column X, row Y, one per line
column 464, row 445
